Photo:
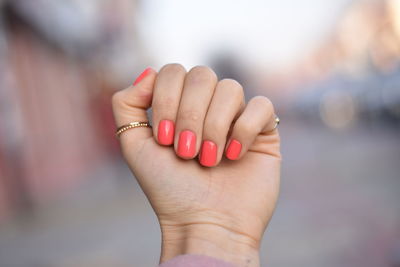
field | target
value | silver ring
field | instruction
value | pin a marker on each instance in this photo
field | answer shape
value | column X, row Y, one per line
column 277, row 121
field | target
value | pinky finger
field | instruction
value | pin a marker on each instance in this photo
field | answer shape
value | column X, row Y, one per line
column 257, row 118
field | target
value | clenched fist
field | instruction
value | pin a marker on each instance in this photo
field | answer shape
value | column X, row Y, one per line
column 210, row 165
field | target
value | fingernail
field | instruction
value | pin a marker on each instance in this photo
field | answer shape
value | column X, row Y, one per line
column 233, row 150
column 208, row 155
column 187, row 144
column 166, row 132
column 141, row 76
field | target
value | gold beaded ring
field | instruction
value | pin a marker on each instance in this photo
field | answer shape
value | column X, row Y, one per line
column 131, row 125
column 135, row 124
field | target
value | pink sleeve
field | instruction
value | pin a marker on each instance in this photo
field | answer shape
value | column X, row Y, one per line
column 195, row 261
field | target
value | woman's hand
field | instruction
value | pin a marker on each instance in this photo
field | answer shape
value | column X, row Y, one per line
column 220, row 210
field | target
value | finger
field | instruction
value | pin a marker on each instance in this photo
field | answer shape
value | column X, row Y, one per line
column 167, row 94
column 258, row 118
column 196, row 96
column 226, row 104
column 130, row 105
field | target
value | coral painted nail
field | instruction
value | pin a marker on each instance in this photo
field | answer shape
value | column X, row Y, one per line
column 142, row 76
column 233, row 150
column 208, row 155
column 187, row 144
column 166, row 131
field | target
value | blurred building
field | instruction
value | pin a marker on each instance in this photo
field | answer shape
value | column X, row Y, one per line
column 57, row 74
column 354, row 73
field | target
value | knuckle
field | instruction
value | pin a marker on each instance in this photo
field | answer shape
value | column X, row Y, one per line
column 166, row 104
column 232, row 86
column 215, row 127
column 246, row 128
column 117, row 99
column 173, row 68
column 230, row 83
column 202, row 73
column 193, row 116
column 262, row 102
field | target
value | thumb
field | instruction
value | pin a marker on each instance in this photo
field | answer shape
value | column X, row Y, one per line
column 130, row 105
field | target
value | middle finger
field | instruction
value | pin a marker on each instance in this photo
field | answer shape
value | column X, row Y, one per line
column 197, row 92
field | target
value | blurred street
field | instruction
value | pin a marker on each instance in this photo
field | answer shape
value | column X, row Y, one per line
column 335, row 209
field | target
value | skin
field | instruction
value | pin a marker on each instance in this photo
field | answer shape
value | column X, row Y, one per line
column 220, row 211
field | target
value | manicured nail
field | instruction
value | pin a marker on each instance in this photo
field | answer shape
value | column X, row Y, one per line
column 233, row 150
column 166, row 132
column 208, row 155
column 141, row 76
column 187, row 144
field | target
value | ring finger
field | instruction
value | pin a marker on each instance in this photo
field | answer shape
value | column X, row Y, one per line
column 197, row 92
column 226, row 104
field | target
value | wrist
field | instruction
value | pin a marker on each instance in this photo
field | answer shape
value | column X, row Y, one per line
column 211, row 240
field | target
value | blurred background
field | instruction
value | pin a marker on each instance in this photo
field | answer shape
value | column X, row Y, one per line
column 331, row 67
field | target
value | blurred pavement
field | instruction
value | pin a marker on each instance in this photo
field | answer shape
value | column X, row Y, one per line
column 335, row 209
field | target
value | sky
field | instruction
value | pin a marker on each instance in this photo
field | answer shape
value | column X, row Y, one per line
column 262, row 33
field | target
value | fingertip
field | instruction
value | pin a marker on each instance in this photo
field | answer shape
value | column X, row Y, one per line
column 208, row 154
column 186, row 148
column 165, row 132
column 143, row 75
column 233, row 150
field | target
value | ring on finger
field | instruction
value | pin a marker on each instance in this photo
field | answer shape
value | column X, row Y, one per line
column 277, row 121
